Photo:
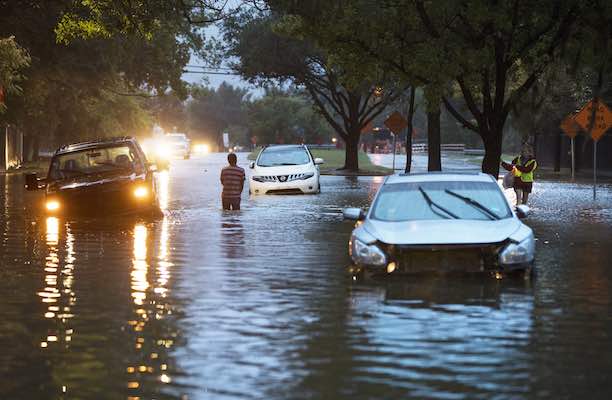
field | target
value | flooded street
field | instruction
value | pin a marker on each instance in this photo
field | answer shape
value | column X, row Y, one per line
column 206, row 304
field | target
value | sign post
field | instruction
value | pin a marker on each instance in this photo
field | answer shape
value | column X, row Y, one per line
column 396, row 124
column 570, row 127
column 595, row 118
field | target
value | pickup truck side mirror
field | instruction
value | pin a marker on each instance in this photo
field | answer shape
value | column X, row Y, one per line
column 162, row 165
column 354, row 214
column 32, row 182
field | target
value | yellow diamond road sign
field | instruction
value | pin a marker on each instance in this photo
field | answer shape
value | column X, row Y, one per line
column 602, row 121
column 396, row 123
column 569, row 126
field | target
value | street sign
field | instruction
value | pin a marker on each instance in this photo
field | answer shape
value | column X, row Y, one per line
column 569, row 126
column 602, row 118
column 367, row 128
column 396, row 123
column 225, row 139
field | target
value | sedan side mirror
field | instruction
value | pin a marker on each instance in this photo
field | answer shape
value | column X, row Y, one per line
column 354, row 214
column 522, row 211
column 32, row 182
column 252, row 165
column 319, row 161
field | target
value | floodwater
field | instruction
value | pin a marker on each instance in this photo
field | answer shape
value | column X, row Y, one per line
column 257, row 304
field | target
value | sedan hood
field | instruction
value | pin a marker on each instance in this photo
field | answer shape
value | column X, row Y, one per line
column 442, row 231
column 283, row 169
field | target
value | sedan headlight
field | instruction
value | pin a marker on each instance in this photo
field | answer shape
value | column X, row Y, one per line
column 518, row 253
column 365, row 254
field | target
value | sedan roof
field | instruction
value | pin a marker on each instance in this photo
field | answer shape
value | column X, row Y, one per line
column 440, row 177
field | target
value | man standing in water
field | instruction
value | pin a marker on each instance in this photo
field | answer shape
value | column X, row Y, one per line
column 232, row 179
column 522, row 168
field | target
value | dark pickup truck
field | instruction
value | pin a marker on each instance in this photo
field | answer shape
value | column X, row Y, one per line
column 99, row 177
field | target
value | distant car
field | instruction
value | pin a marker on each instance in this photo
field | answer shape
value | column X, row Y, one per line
column 110, row 175
column 285, row 169
column 441, row 222
column 176, row 145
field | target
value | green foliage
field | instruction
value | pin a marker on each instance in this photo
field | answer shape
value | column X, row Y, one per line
column 13, row 59
column 211, row 112
column 98, row 79
column 286, row 117
column 279, row 116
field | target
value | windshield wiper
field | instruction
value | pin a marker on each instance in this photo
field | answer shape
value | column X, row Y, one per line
column 432, row 204
column 468, row 200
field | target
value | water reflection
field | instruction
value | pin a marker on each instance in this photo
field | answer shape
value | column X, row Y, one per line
column 58, row 294
column 152, row 339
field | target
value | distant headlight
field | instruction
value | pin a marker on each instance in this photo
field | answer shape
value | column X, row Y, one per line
column 517, row 253
column 141, row 192
column 52, row 205
column 365, row 254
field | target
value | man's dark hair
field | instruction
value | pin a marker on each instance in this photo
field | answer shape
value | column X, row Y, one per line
column 232, row 159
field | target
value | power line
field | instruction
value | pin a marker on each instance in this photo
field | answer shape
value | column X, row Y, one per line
column 210, row 72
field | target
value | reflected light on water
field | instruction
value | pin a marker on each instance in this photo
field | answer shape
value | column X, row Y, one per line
column 163, row 181
column 139, row 264
column 149, row 293
column 58, row 293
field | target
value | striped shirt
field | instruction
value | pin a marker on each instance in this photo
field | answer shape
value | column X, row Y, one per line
column 232, row 179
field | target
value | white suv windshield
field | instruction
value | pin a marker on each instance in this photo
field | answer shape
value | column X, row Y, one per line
column 429, row 200
column 276, row 157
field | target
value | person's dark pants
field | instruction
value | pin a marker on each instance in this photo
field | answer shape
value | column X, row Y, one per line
column 522, row 190
column 231, row 203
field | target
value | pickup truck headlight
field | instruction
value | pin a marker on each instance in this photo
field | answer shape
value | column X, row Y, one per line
column 141, row 192
column 365, row 254
column 518, row 253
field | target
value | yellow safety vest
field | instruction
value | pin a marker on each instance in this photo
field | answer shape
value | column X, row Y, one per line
column 526, row 177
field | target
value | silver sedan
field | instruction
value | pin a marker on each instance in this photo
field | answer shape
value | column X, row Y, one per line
column 441, row 223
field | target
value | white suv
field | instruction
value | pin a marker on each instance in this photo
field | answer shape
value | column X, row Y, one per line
column 285, row 169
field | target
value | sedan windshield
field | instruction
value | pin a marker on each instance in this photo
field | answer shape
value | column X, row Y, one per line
column 94, row 161
column 291, row 156
column 440, row 200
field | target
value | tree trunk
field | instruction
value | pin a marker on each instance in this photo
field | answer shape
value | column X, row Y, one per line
column 409, row 130
column 493, row 149
column 351, row 155
column 433, row 140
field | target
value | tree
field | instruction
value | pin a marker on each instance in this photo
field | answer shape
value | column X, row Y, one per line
column 492, row 52
column 211, row 112
column 286, row 116
column 85, row 88
column 13, row 59
column 266, row 56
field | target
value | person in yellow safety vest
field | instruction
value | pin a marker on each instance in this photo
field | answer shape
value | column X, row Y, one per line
column 522, row 167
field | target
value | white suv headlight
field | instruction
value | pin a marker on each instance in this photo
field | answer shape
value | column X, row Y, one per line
column 517, row 253
column 365, row 254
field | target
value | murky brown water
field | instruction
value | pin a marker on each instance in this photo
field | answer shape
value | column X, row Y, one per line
column 209, row 305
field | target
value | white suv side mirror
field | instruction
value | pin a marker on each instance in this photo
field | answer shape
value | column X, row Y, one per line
column 252, row 165
column 319, row 161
